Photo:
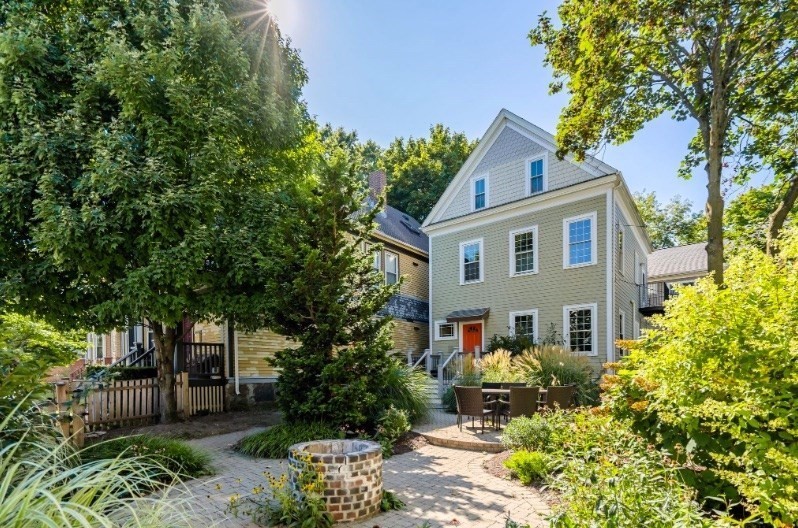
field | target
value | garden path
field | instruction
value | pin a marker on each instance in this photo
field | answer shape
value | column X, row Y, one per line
column 445, row 487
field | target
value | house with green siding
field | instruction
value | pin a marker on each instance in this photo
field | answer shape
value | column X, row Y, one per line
column 522, row 242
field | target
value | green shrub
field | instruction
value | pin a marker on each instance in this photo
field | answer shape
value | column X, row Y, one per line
column 405, row 388
column 610, row 478
column 120, row 372
column 275, row 441
column 529, row 466
column 392, row 425
column 513, row 344
column 177, row 456
column 535, row 433
column 637, row 491
column 548, row 365
column 48, row 483
column 715, row 383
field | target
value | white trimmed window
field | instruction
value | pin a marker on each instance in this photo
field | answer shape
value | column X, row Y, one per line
column 376, row 256
column 524, row 251
column 471, row 268
column 621, row 253
column 479, row 193
column 524, row 323
column 445, row 331
column 536, row 177
column 579, row 325
column 640, row 270
column 97, row 346
column 391, row 267
column 579, row 241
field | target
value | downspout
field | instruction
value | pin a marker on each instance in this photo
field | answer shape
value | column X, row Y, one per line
column 235, row 356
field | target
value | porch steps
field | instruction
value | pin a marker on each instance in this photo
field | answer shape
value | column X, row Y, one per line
column 432, row 393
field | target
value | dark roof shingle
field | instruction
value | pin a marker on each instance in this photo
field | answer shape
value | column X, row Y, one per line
column 394, row 223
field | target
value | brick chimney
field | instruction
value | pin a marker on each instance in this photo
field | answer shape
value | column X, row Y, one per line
column 377, row 183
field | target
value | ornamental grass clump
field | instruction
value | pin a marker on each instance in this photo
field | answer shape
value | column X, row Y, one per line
column 405, row 388
column 499, row 366
column 275, row 441
column 44, row 482
column 180, row 458
column 547, row 365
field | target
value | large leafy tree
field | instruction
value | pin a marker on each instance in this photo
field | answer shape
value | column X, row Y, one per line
column 626, row 62
column 365, row 155
column 140, row 141
column 325, row 295
column 671, row 224
column 748, row 216
column 772, row 134
column 419, row 169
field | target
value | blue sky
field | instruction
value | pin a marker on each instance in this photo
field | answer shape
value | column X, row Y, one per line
column 390, row 69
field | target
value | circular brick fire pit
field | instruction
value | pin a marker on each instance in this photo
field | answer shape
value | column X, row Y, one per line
column 352, row 475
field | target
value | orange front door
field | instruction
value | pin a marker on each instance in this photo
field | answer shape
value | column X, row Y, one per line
column 472, row 337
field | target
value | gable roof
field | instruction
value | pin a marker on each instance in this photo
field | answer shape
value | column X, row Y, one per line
column 402, row 227
column 690, row 260
column 504, row 119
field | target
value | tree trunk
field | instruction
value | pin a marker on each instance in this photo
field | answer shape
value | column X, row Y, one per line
column 165, row 341
column 779, row 215
column 713, row 130
column 714, row 211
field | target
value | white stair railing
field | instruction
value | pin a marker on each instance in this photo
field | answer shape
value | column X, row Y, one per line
column 423, row 357
column 448, row 371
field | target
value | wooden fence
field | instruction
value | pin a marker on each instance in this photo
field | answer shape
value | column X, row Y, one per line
column 83, row 406
column 198, row 396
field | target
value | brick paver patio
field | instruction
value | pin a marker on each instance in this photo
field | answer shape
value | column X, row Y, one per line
column 445, row 487
column 441, row 430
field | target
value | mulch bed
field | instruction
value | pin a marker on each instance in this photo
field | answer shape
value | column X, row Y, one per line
column 495, row 465
column 409, row 442
column 202, row 426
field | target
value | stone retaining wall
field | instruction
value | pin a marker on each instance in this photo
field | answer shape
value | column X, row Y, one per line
column 352, row 475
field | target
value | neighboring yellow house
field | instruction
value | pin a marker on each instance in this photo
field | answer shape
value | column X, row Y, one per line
column 404, row 253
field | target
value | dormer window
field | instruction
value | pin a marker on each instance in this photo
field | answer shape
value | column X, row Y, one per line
column 536, row 175
column 479, row 193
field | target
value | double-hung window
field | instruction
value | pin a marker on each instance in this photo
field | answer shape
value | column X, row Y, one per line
column 536, row 175
column 479, row 193
column 376, row 256
column 445, row 331
column 579, row 324
column 579, row 241
column 524, row 251
column 391, row 267
column 97, row 342
column 524, row 324
column 471, row 265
